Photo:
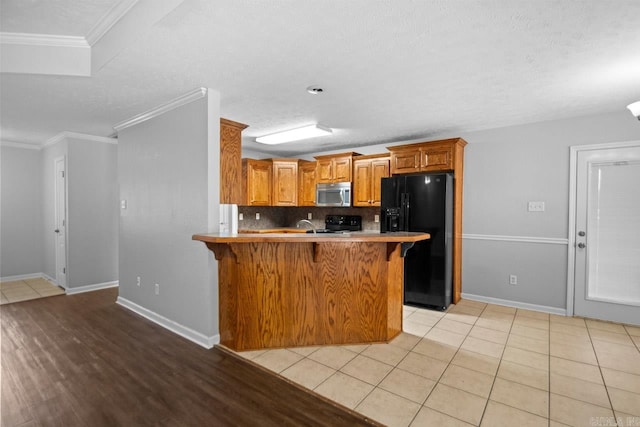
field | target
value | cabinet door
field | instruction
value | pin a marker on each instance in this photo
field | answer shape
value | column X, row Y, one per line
column 436, row 159
column 405, row 161
column 285, row 183
column 259, row 183
column 362, row 183
column 230, row 161
column 324, row 171
column 342, row 169
column 379, row 170
column 307, row 184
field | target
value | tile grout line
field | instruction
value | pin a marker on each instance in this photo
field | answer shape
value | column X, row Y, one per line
column 443, row 371
column 499, row 363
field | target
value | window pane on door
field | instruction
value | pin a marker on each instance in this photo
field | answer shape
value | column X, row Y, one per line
column 613, row 234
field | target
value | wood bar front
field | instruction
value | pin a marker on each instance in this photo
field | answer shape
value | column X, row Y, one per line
column 284, row 290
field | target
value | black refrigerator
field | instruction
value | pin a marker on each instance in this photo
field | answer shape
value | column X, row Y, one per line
column 423, row 203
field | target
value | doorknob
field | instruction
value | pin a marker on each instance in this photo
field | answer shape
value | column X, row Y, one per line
column 56, row 230
column 582, row 245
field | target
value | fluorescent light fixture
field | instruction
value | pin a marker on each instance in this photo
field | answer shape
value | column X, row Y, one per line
column 635, row 109
column 310, row 131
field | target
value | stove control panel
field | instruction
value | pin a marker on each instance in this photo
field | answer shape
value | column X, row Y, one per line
column 343, row 222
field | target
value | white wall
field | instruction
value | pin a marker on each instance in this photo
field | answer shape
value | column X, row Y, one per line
column 92, row 191
column 168, row 177
column 20, row 212
column 504, row 169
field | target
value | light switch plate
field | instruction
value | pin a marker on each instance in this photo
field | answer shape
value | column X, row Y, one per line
column 536, row 207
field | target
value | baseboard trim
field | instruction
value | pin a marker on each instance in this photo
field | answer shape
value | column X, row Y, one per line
column 21, row 277
column 516, row 304
column 91, row 288
column 521, row 239
column 175, row 327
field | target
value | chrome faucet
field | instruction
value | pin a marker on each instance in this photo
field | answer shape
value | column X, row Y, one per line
column 306, row 221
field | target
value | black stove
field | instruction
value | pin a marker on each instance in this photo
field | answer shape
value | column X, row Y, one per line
column 340, row 224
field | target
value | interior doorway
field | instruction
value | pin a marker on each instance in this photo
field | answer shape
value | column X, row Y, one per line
column 61, row 221
column 604, row 232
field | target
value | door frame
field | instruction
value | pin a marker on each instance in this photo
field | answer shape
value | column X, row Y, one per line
column 573, row 195
column 66, row 219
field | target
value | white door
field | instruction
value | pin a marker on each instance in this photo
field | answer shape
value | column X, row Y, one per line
column 61, row 222
column 607, row 233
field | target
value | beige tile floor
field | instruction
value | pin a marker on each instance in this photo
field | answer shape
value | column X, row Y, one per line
column 28, row 289
column 479, row 364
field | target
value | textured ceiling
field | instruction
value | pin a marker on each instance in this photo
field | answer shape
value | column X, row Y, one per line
column 391, row 71
column 59, row 17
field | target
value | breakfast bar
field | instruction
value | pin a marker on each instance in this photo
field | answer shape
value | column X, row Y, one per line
column 287, row 290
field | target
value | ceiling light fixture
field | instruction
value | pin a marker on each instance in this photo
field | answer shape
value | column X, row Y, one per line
column 310, row 131
column 635, row 109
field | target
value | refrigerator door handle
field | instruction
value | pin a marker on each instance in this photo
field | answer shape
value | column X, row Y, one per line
column 407, row 208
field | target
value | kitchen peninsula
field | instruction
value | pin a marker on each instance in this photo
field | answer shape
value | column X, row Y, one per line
column 286, row 290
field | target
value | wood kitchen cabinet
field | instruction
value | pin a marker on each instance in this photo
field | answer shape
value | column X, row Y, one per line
column 334, row 168
column 445, row 155
column 434, row 156
column 368, row 172
column 256, row 182
column 285, row 182
column 230, row 161
column 306, row 183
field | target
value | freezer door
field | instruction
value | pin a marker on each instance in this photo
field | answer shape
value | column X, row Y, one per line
column 426, row 202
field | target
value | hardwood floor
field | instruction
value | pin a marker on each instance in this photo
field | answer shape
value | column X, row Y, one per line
column 83, row 360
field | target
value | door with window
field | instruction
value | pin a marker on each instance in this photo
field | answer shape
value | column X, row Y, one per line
column 606, row 237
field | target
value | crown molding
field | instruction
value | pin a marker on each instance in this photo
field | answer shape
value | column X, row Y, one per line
column 115, row 14
column 163, row 108
column 27, row 39
column 24, row 145
column 64, row 135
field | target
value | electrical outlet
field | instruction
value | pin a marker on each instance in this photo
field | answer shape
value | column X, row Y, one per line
column 309, row 216
column 138, row 281
column 257, row 215
column 513, row 279
column 376, row 218
column 535, row 207
column 157, row 289
column 123, row 204
column 240, row 217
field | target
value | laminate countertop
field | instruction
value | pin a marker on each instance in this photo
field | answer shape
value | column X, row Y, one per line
column 350, row 237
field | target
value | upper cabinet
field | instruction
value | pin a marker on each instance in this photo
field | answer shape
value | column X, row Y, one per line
column 256, row 182
column 285, row 182
column 306, row 183
column 230, row 161
column 434, row 156
column 334, row 168
column 368, row 172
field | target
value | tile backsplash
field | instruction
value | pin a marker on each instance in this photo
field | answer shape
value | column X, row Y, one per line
column 273, row 217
